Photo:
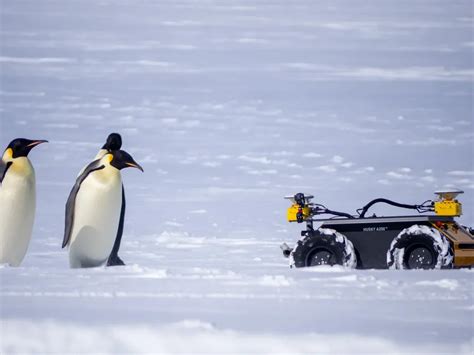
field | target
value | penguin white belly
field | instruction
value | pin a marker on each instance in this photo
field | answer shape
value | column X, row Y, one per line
column 96, row 220
column 17, row 213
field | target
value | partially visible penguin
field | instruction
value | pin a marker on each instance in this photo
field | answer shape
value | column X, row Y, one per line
column 17, row 200
column 93, row 210
column 113, row 143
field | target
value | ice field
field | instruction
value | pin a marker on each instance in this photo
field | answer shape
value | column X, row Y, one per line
column 229, row 106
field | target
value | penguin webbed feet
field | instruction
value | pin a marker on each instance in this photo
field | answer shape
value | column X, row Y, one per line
column 114, row 260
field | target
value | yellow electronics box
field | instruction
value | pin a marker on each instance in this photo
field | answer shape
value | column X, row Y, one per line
column 447, row 205
column 293, row 212
column 448, row 208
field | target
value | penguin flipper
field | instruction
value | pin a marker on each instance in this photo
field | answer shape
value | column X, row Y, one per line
column 114, row 259
column 71, row 201
column 3, row 169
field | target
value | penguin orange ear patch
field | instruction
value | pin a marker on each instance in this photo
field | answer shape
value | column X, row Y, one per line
column 8, row 154
column 110, row 157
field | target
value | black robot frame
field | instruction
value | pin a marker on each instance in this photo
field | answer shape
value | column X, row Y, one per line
column 370, row 236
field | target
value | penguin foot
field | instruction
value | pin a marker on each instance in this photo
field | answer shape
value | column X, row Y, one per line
column 114, row 260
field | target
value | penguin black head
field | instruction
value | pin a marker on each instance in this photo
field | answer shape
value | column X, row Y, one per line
column 20, row 147
column 114, row 142
column 121, row 160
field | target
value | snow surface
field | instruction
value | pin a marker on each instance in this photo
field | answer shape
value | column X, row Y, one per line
column 229, row 106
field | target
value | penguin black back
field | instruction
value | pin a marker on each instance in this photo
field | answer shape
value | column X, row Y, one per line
column 3, row 169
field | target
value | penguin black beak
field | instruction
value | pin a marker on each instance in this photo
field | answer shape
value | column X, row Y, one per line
column 35, row 143
column 135, row 165
column 26, row 150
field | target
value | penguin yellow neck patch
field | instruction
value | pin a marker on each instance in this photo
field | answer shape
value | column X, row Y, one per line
column 22, row 166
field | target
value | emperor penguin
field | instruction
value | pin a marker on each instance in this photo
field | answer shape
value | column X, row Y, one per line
column 93, row 210
column 113, row 143
column 17, row 200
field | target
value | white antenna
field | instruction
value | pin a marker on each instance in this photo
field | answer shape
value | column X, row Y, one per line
column 307, row 198
column 448, row 194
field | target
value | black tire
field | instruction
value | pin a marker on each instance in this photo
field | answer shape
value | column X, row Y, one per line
column 323, row 247
column 420, row 247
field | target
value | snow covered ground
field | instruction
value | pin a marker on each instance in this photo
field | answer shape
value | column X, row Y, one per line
column 229, row 106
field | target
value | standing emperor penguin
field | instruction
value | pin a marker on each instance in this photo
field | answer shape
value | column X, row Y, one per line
column 113, row 143
column 93, row 210
column 17, row 200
